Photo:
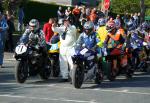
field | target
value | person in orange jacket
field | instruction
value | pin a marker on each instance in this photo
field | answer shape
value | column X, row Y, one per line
column 114, row 42
column 93, row 16
column 76, row 14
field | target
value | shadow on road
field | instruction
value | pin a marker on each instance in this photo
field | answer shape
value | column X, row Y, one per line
column 139, row 80
column 6, row 77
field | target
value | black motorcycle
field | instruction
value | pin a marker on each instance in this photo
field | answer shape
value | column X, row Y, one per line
column 30, row 62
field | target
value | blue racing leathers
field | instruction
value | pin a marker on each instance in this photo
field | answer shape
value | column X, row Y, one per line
column 89, row 41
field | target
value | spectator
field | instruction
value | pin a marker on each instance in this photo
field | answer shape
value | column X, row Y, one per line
column 67, row 38
column 93, row 16
column 100, row 14
column 60, row 15
column 139, row 16
column 125, row 19
column 131, row 24
column 68, row 12
column 83, row 16
column 20, row 18
column 136, row 19
column 76, row 14
column 87, row 12
column 11, row 29
column 118, row 21
column 47, row 29
column 3, row 29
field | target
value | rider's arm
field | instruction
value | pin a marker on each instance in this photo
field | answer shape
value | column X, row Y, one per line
column 80, row 41
column 114, row 37
column 24, row 39
column 59, row 30
column 42, row 39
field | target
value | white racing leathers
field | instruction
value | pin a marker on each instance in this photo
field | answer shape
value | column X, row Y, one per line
column 66, row 48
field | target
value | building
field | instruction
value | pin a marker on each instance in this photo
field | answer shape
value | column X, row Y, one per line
column 71, row 2
column 87, row 2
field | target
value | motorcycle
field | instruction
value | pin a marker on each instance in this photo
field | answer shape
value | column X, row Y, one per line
column 30, row 62
column 139, row 49
column 53, row 53
column 123, row 66
column 85, row 67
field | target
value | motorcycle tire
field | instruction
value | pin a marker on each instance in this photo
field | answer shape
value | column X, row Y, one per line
column 109, row 73
column 146, row 68
column 45, row 72
column 99, row 78
column 111, row 77
column 129, row 72
column 77, row 76
column 21, row 71
column 55, row 68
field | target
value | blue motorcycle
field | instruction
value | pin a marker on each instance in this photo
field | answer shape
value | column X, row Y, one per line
column 85, row 67
column 139, row 55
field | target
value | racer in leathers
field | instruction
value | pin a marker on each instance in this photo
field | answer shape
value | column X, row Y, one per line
column 35, row 35
column 88, row 38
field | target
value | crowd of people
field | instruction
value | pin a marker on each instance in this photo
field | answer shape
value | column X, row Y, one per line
column 7, row 20
column 85, row 26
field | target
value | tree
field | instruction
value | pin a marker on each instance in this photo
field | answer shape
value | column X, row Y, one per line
column 125, row 6
column 11, row 5
column 142, row 4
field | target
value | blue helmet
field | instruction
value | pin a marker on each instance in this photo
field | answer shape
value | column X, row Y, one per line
column 145, row 26
column 101, row 22
column 88, row 27
column 130, row 25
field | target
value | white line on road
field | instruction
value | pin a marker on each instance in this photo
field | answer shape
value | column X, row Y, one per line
column 8, row 83
column 60, row 87
column 109, row 90
column 125, row 92
column 50, row 99
column 10, row 59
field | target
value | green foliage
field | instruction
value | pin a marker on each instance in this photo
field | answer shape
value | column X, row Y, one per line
column 128, row 6
column 5, row 5
column 147, row 3
column 125, row 6
column 148, row 12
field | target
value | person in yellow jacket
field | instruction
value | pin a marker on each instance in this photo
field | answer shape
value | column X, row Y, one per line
column 101, row 32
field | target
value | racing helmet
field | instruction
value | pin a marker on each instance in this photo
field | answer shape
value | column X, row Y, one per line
column 130, row 25
column 145, row 26
column 110, row 26
column 34, row 25
column 101, row 22
column 88, row 27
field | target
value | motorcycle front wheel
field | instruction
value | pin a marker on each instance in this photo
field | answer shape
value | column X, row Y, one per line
column 21, row 71
column 77, row 76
